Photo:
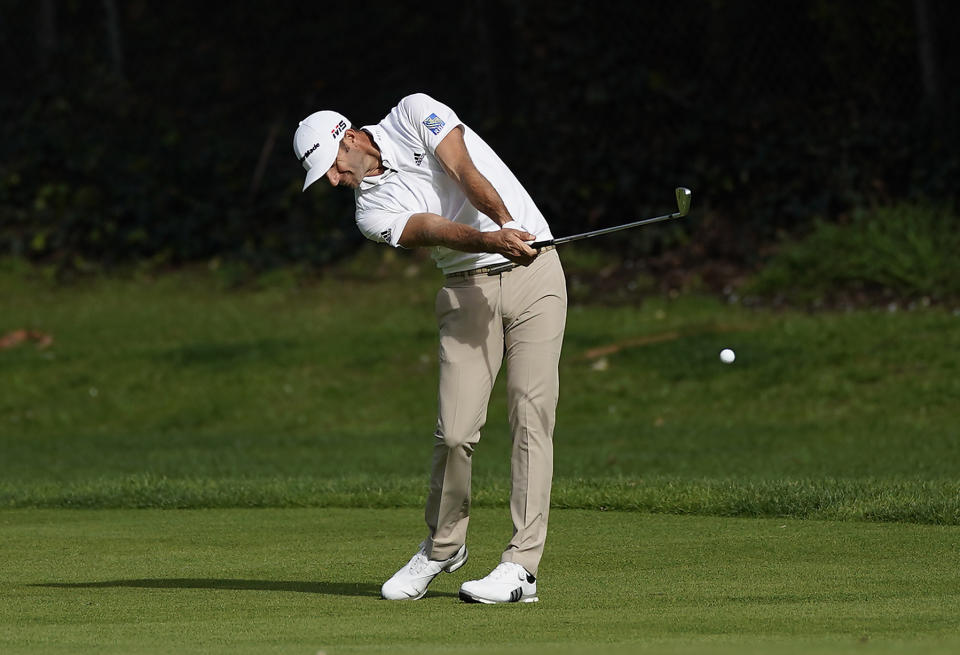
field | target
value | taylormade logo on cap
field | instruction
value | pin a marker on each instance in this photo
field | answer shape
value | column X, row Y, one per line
column 316, row 141
column 309, row 152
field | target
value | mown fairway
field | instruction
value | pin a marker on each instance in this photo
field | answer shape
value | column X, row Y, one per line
column 177, row 392
column 303, row 581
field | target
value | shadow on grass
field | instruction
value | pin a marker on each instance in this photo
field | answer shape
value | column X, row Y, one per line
column 328, row 588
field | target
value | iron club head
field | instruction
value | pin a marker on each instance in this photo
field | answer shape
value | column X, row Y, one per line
column 683, row 200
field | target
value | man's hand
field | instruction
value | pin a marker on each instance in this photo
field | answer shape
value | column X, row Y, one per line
column 512, row 244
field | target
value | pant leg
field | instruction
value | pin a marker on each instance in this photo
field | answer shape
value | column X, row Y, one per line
column 534, row 308
column 471, row 351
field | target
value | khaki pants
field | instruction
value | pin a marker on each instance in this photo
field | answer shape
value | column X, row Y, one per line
column 518, row 315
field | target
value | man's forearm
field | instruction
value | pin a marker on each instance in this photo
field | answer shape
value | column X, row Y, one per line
column 425, row 230
column 484, row 196
column 455, row 159
column 433, row 230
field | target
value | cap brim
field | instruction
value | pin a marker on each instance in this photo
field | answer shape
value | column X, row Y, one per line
column 313, row 175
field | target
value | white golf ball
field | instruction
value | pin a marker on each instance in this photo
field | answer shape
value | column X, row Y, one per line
column 727, row 356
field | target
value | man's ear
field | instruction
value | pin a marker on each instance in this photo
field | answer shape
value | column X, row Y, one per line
column 351, row 135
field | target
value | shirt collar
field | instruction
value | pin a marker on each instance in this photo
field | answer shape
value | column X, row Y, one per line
column 387, row 158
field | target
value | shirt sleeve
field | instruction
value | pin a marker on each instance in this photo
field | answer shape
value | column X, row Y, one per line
column 382, row 224
column 430, row 119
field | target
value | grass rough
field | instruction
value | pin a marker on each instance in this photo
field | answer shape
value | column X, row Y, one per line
column 172, row 392
column 887, row 253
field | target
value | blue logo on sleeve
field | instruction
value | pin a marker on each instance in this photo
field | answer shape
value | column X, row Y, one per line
column 434, row 123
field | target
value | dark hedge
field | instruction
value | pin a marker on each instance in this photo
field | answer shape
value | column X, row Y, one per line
column 163, row 132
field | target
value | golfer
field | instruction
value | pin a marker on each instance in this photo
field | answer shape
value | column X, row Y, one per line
column 422, row 178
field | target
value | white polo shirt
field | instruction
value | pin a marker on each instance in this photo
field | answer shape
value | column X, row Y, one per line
column 414, row 182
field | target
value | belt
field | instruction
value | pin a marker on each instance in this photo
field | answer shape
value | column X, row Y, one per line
column 496, row 269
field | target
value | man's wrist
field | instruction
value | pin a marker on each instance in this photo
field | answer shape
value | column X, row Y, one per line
column 513, row 225
column 487, row 242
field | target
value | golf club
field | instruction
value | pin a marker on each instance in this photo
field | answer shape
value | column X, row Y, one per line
column 683, row 208
column 683, row 205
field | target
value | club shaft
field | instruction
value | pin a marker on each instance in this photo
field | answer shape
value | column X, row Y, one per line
column 607, row 230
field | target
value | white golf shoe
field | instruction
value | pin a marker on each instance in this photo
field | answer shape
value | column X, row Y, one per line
column 411, row 582
column 508, row 583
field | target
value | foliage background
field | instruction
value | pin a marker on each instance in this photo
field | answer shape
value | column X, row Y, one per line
column 159, row 132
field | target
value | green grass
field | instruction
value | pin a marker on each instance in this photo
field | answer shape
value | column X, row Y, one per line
column 314, row 401
column 176, row 392
column 915, row 501
column 302, row 581
column 905, row 251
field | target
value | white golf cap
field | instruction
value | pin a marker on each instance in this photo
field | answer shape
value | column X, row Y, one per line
column 316, row 142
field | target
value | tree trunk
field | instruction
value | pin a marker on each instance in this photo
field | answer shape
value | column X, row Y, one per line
column 926, row 48
column 47, row 34
column 113, row 38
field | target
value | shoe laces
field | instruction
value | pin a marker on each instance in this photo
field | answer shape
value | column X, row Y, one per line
column 504, row 571
column 417, row 563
